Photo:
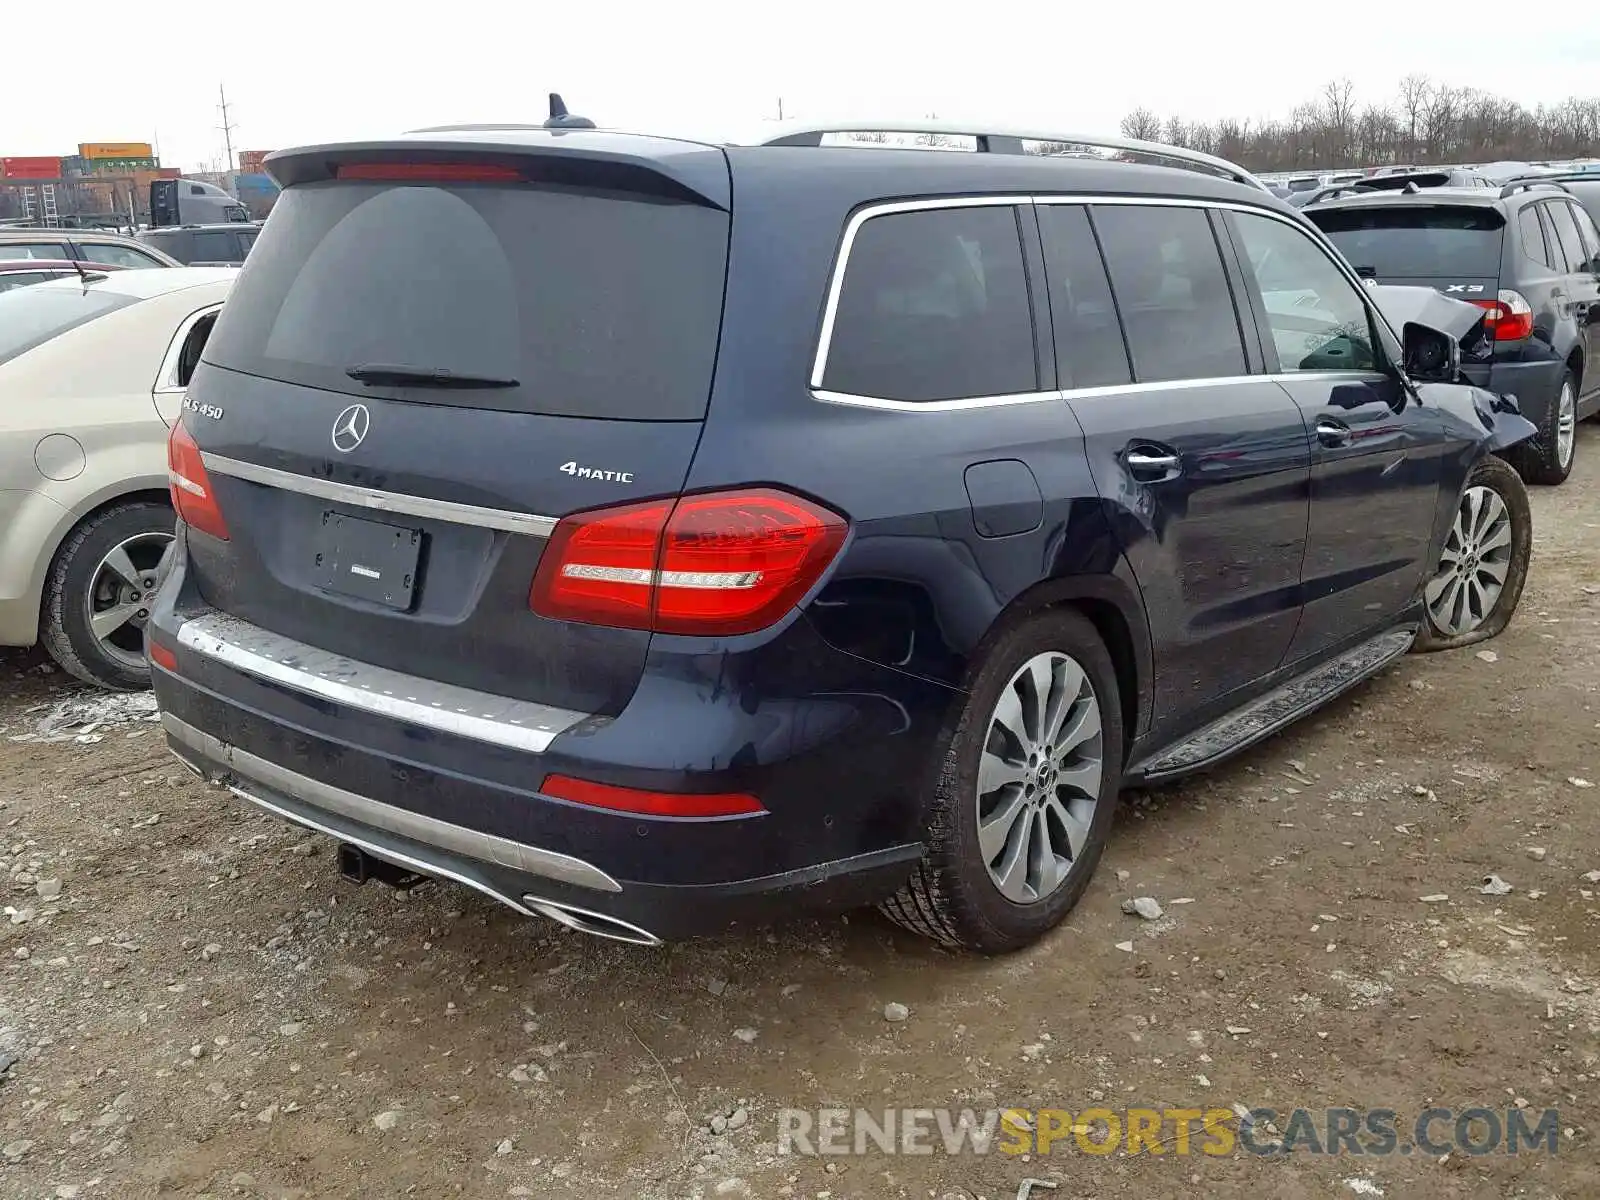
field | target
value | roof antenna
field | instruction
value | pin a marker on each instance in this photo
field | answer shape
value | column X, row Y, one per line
column 560, row 118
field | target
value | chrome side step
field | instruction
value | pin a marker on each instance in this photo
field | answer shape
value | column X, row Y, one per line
column 1278, row 708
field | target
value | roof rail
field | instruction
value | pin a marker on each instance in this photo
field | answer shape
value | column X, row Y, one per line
column 1528, row 184
column 999, row 140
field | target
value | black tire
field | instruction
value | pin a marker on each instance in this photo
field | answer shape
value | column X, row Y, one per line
column 950, row 896
column 1491, row 473
column 66, row 631
column 1538, row 460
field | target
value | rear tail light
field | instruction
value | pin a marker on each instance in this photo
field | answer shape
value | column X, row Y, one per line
column 1510, row 318
column 650, row 804
column 191, row 486
column 722, row 563
column 424, row 172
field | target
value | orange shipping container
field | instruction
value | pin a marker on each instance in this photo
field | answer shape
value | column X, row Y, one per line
column 250, row 161
column 115, row 150
column 30, row 168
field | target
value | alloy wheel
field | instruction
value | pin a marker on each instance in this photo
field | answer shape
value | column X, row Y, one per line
column 121, row 592
column 1472, row 568
column 1039, row 777
column 1566, row 426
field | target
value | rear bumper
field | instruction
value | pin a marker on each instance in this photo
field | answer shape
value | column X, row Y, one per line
column 841, row 754
column 1534, row 384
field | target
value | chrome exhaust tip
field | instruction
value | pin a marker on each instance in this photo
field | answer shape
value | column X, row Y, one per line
column 593, row 923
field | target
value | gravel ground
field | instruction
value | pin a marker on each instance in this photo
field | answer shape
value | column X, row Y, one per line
column 191, row 1003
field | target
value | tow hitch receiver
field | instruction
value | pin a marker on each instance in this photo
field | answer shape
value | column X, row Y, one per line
column 357, row 866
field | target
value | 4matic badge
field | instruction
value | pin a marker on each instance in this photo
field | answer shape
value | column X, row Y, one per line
column 572, row 468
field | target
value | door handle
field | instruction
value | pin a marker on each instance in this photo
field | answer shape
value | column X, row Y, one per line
column 1332, row 433
column 1152, row 465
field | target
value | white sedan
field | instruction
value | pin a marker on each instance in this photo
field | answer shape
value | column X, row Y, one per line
column 92, row 375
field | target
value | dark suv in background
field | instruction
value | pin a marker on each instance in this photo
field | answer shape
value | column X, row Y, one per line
column 656, row 535
column 1529, row 255
column 225, row 245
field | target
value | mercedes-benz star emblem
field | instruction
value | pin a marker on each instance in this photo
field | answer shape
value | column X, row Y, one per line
column 350, row 428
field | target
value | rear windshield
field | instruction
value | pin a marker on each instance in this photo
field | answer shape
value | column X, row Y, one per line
column 597, row 303
column 1421, row 242
column 31, row 316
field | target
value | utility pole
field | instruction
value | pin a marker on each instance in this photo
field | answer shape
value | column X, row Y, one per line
column 227, row 126
column 780, row 108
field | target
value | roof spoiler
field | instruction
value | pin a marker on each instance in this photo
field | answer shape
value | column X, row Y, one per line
column 1409, row 181
column 993, row 139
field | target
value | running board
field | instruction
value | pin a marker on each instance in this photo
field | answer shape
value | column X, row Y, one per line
column 1280, row 707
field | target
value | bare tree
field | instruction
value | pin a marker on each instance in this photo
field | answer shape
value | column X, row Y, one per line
column 1142, row 124
column 1427, row 122
column 1414, row 92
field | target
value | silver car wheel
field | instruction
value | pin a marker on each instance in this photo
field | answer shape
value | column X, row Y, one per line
column 1039, row 777
column 120, row 594
column 1566, row 426
column 1472, row 568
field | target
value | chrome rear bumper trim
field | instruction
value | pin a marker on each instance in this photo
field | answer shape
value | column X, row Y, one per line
column 459, row 711
column 393, row 502
column 429, row 831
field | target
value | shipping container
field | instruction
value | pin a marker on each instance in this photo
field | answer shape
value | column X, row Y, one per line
column 116, row 150
column 74, row 164
column 250, row 161
column 119, row 166
column 35, row 167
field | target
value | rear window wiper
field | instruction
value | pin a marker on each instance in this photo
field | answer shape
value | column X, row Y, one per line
column 397, row 375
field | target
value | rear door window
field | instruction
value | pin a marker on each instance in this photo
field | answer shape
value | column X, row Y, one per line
column 1531, row 231
column 1566, row 231
column 597, row 303
column 934, row 306
column 213, row 245
column 33, row 250
column 1417, row 241
column 112, row 255
column 1172, row 291
column 1090, row 351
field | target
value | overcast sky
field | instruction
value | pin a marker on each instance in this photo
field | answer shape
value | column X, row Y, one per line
column 299, row 71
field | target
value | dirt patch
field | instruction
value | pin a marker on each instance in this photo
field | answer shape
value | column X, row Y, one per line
column 198, row 1007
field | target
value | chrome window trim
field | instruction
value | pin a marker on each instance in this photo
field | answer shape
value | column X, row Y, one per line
column 819, row 360
column 167, row 377
column 859, row 218
column 442, row 707
column 374, row 498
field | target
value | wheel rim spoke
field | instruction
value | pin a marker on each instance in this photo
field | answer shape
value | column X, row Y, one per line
column 119, row 564
column 1074, row 827
column 108, row 621
column 995, row 830
column 1082, row 728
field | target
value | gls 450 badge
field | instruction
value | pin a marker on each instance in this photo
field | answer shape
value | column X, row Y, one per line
column 204, row 410
column 572, row 468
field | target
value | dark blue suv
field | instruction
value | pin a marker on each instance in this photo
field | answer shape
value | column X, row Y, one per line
column 660, row 535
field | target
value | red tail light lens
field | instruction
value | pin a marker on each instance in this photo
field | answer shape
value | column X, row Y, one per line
column 1510, row 318
column 415, row 172
column 723, row 563
column 191, row 486
column 650, row 804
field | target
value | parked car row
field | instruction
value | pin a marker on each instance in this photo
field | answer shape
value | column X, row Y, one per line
column 1528, row 254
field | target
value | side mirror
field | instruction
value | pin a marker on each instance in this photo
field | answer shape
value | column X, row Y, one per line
column 1428, row 355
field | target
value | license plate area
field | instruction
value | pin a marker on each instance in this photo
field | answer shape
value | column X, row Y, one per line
column 368, row 560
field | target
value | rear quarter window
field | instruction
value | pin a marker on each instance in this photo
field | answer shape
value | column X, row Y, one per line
column 1531, row 234
column 597, row 303
column 934, row 306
